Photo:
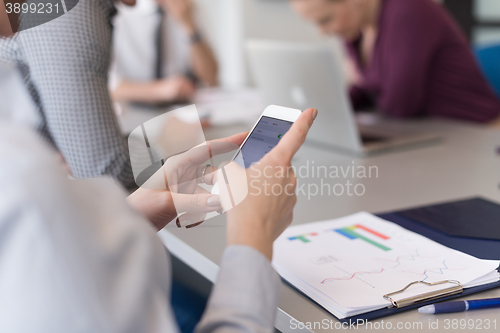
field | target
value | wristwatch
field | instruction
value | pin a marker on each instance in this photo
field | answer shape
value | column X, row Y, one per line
column 195, row 37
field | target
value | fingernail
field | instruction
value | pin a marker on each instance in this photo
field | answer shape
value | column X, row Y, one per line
column 315, row 113
column 184, row 222
column 213, row 201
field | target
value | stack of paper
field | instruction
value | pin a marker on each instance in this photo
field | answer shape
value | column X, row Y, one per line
column 348, row 264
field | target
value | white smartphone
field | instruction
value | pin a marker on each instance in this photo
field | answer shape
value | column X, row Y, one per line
column 274, row 122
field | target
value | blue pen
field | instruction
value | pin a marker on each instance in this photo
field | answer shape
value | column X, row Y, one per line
column 459, row 306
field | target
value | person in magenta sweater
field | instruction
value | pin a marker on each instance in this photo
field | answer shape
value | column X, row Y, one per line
column 409, row 58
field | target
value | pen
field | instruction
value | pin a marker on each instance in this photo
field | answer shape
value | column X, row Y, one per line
column 459, row 306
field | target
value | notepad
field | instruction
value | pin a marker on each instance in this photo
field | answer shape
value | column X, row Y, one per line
column 347, row 265
column 460, row 218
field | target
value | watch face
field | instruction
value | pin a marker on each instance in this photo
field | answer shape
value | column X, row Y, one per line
column 18, row 15
column 196, row 37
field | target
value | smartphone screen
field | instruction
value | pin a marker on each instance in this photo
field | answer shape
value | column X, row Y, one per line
column 264, row 137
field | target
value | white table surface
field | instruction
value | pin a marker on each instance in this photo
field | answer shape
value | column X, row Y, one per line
column 465, row 164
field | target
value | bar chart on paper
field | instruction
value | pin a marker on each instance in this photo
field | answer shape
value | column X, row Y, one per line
column 348, row 264
column 350, row 232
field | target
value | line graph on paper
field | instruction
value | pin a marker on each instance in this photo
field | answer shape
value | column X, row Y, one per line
column 435, row 270
column 416, row 265
column 402, row 258
column 349, row 276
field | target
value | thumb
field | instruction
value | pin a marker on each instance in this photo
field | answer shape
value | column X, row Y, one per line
column 295, row 137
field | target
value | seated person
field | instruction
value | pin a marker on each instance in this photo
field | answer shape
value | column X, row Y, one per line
column 410, row 56
column 159, row 53
column 75, row 257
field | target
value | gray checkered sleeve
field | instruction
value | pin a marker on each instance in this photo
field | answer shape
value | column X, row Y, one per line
column 65, row 63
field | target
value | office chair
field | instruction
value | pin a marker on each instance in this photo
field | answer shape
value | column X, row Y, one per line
column 489, row 60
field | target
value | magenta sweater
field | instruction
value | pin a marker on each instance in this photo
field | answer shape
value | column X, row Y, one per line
column 422, row 65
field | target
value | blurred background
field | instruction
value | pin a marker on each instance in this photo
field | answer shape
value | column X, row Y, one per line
column 230, row 23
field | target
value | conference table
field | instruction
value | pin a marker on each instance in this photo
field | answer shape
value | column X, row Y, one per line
column 464, row 163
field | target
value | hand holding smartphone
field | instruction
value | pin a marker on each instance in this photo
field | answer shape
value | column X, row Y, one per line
column 262, row 216
column 274, row 122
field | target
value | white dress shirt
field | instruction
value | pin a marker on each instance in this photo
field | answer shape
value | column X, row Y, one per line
column 134, row 44
column 74, row 257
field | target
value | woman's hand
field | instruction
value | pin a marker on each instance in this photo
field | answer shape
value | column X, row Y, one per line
column 174, row 189
column 171, row 89
column 177, row 88
column 262, row 216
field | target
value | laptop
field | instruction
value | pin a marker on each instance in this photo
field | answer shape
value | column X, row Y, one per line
column 300, row 75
